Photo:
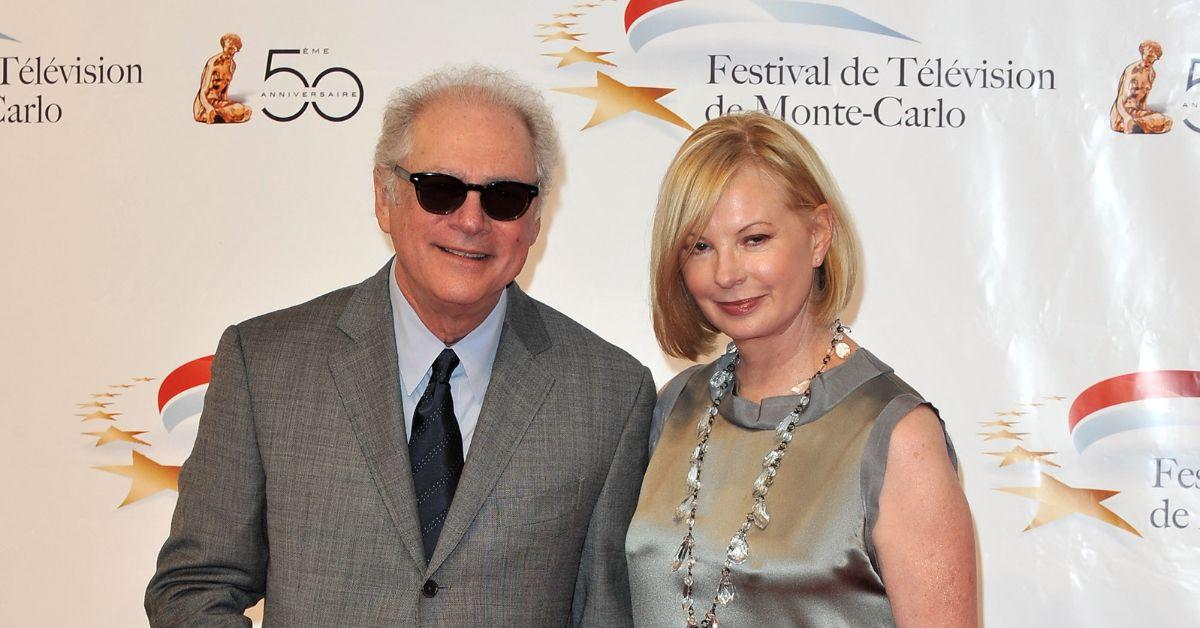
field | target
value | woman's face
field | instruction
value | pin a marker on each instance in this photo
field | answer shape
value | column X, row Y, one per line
column 751, row 270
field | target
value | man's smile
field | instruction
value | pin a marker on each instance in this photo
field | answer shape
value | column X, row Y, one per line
column 464, row 253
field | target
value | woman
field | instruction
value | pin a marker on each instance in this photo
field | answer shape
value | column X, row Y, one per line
column 817, row 488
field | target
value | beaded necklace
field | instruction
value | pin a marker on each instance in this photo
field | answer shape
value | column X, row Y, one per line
column 738, row 549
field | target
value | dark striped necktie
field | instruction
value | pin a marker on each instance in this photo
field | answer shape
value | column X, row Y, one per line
column 435, row 450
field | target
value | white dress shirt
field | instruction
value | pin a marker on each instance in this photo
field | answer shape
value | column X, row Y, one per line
column 417, row 348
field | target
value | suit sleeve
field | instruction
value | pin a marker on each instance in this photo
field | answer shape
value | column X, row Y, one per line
column 213, row 564
column 666, row 402
column 602, row 587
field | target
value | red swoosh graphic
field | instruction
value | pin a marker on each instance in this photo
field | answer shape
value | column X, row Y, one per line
column 1133, row 387
column 190, row 375
column 638, row 8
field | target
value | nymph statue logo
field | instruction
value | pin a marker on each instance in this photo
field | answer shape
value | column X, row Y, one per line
column 1129, row 112
column 212, row 104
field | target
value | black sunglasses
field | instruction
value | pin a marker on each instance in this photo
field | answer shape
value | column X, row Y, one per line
column 442, row 194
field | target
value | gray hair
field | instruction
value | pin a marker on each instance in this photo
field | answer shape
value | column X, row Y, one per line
column 473, row 83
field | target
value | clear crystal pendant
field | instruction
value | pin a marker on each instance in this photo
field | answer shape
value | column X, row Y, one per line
column 760, row 486
column 783, row 426
column 760, row 514
column 725, row 591
column 693, row 478
column 685, row 550
column 739, row 549
column 685, row 507
column 720, row 379
column 842, row 350
column 765, row 478
column 771, row 458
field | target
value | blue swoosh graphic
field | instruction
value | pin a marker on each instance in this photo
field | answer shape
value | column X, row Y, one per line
column 3, row 36
column 657, row 24
column 184, row 407
column 1091, row 431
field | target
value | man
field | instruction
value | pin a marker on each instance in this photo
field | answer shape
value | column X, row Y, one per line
column 328, row 474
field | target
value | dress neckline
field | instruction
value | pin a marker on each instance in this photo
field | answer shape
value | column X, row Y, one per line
column 828, row 389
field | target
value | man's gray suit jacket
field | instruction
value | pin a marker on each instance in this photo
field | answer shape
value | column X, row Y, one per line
column 299, row 487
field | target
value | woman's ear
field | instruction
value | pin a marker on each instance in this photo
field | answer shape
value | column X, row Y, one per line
column 821, row 226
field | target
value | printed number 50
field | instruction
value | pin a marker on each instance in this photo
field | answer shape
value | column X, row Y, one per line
column 273, row 70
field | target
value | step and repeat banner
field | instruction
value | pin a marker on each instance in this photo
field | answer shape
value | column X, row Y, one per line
column 1023, row 176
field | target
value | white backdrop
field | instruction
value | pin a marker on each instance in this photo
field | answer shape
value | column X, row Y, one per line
column 1014, row 258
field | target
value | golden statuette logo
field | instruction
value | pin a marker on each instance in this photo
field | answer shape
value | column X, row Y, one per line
column 1129, row 112
column 212, row 104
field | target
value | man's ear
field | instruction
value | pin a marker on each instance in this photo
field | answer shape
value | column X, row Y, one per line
column 383, row 201
column 537, row 221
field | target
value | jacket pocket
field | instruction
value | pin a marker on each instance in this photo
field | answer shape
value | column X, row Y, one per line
column 514, row 510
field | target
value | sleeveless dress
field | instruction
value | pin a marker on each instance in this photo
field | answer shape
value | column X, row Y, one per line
column 814, row 564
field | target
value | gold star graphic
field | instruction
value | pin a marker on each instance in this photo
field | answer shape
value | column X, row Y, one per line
column 1057, row 500
column 614, row 98
column 94, row 404
column 120, row 385
column 1032, row 404
column 578, row 55
column 1009, row 413
column 143, row 379
column 559, row 25
column 997, row 423
column 1053, row 397
column 563, row 35
column 112, row 435
column 561, row 15
column 585, row 5
column 148, row 477
column 1003, row 434
column 1020, row 454
column 99, row 415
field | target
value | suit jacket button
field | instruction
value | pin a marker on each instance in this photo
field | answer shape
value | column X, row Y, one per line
column 429, row 589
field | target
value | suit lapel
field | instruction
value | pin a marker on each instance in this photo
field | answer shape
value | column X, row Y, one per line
column 517, row 390
column 365, row 372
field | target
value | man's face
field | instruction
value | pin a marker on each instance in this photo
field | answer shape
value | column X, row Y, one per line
column 454, row 267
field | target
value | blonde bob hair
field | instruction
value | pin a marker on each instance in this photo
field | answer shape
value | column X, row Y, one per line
column 704, row 165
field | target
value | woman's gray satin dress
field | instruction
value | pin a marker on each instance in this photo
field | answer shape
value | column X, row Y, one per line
column 814, row 564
